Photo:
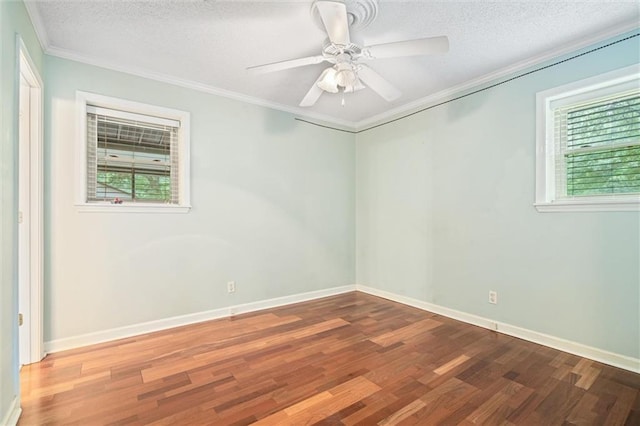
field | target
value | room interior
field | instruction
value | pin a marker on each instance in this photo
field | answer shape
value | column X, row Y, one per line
column 427, row 200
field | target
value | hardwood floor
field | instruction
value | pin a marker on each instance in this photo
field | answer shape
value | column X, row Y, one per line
column 348, row 359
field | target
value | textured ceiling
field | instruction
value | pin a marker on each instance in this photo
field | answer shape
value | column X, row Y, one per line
column 210, row 43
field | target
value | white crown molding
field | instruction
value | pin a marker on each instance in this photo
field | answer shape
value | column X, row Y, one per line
column 41, row 33
column 359, row 126
column 596, row 354
column 193, row 85
column 491, row 77
column 58, row 345
column 13, row 413
column 36, row 21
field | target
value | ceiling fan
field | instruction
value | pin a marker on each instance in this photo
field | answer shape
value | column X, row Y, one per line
column 348, row 73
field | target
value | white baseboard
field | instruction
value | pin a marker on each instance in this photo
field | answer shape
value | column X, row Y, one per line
column 13, row 414
column 600, row 355
column 287, row 300
column 163, row 324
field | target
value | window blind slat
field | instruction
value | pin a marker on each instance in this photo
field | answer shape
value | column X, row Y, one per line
column 130, row 159
column 115, row 114
column 604, row 123
column 621, row 112
column 591, row 153
column 604, row 172
column 174, row 168
column 92, row 163
column 600, row 105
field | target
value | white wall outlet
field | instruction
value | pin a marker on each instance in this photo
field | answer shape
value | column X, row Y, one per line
column 231, row 287
column 493, row 297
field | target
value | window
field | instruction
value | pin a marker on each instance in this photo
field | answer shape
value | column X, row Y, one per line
column 588, row 144
column 133, row 157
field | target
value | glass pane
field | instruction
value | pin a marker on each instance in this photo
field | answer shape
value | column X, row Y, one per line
column 613, row 121
column 133, row 160
column 152, row 187
column 604, row 172
column 113, row 184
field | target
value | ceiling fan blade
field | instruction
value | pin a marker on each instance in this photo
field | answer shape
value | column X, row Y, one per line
column 284, row 65
column 378, row 84
column 422, row 46
column 313, row 94
column 334, row 18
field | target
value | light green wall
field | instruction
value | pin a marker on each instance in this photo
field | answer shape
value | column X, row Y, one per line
column 445, row 213
column 13, row 21
column 273, row 209
column 443, row 210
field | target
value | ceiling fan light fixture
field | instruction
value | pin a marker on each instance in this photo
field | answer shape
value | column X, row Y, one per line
column 345, row 75
column 328, row 80
column 357, row 85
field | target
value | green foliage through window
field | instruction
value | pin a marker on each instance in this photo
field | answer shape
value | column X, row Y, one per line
column 134, row 185
column 602, row 153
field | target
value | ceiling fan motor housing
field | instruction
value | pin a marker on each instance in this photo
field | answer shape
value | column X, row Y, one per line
column 329, row 49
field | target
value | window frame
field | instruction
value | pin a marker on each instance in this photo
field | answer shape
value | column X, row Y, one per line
column 590, row 88
column 83, row 99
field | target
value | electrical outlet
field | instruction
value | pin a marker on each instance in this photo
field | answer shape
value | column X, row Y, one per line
column 231, row 287
column 493, row 297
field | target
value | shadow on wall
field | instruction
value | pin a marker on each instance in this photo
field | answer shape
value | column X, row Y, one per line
column 461, row 108
column 277, row 122
column 413, row 123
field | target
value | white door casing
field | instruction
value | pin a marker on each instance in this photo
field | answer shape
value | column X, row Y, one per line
column 30, row 205
column 24, row 188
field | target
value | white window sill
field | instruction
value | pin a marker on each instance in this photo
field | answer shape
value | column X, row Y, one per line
column 613, row 204
column 131, row 208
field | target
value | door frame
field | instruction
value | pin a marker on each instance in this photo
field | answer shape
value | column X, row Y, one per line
column 35, row 260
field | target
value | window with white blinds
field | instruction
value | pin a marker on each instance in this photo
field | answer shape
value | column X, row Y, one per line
column 133, row 160
column 598, row 149
column 589, row 144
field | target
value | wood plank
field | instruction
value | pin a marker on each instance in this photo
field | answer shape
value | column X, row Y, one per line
column 342, row 360
column 322, row 405
column 451, row 365
column 406, row 332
